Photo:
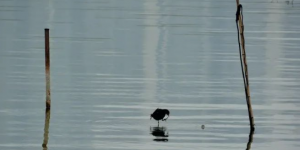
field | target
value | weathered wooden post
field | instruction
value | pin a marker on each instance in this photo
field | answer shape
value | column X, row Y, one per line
column 244, row 62
column 48, row 96
column 47, row 69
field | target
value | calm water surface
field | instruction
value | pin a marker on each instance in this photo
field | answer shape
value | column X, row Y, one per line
column 113, row 62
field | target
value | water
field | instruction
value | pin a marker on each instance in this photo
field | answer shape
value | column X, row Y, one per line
column 113, row 62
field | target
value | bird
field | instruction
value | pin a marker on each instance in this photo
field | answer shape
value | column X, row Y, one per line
column 159, row 114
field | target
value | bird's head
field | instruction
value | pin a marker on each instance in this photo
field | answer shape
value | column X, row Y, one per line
column 167, row 112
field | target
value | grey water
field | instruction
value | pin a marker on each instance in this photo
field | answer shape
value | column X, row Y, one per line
column 113, row 62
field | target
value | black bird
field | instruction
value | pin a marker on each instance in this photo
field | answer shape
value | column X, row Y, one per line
column 159, row 114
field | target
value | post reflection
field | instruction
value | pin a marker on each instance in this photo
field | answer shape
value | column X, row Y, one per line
column 250, row 140
column 46, row 129
column 160, row 133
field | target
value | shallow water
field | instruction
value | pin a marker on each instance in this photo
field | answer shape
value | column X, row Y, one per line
column 113, row 62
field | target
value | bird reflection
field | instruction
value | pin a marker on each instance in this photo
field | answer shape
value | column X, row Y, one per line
column 160, row 133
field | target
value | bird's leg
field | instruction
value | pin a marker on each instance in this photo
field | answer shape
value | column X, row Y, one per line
column 158, row 123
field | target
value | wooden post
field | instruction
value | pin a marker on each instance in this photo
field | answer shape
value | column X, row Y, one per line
column 47, row 69
column 48, row 96
column 245, row 66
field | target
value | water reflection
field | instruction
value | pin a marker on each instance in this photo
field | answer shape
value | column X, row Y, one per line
column 46, row 129
column 250, row 140
column 114, row 61
column 160, row 133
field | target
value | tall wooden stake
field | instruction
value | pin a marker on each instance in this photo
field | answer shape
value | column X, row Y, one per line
column 48, row 96
column 245, row 66
column 47, row 69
